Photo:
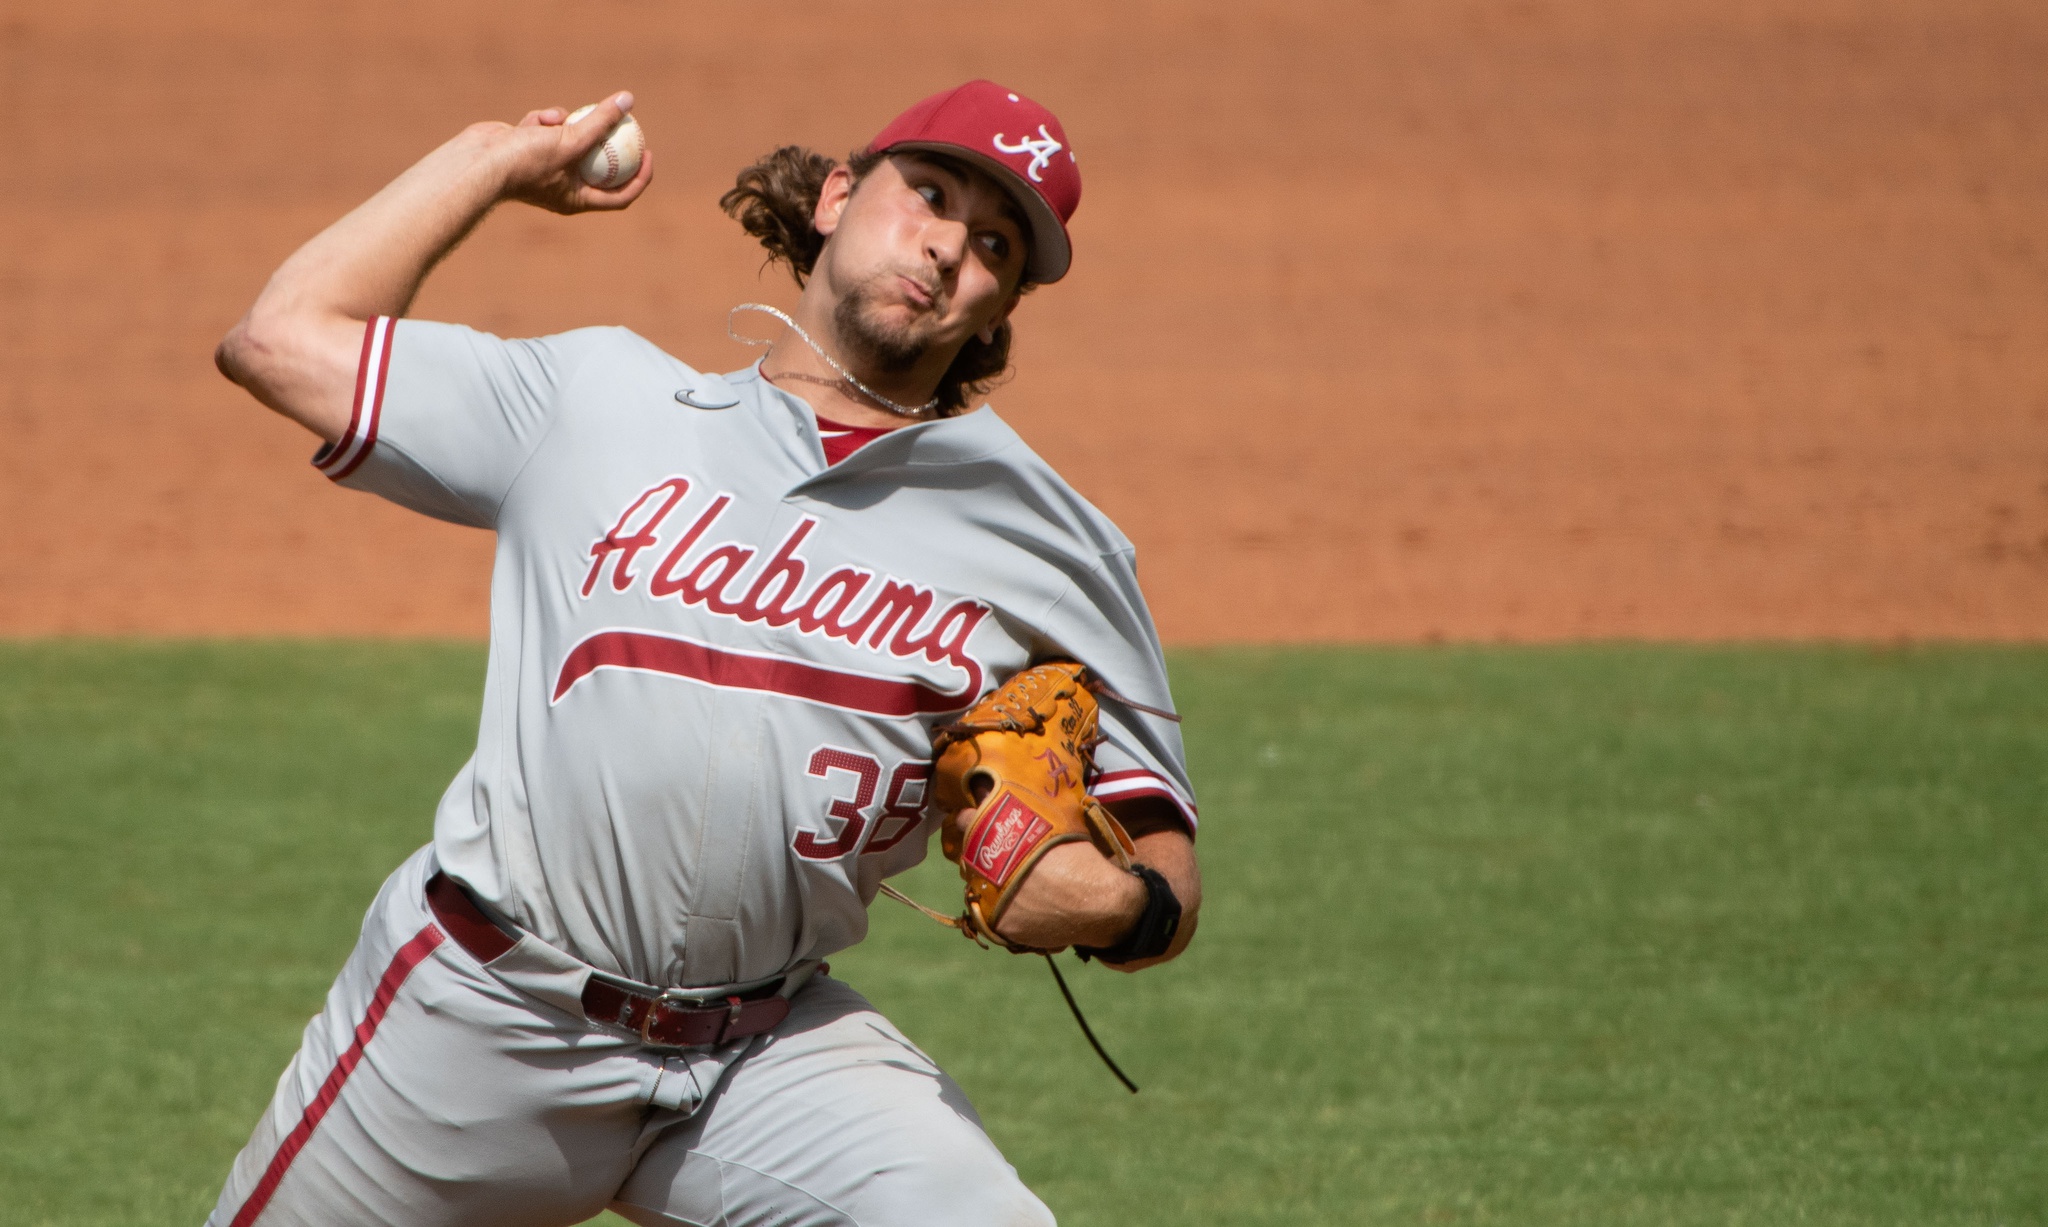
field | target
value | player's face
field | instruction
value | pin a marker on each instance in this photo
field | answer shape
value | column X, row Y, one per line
column 923, row 255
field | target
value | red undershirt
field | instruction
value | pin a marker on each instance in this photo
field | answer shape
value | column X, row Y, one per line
column 841, row 440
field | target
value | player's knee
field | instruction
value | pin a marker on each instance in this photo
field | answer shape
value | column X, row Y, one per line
column 949, row 1182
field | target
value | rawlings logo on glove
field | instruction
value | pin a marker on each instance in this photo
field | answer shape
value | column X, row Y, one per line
column 1004, row 837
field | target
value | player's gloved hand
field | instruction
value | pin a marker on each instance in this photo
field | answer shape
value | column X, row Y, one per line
column 538, row 157
column 1015, row 763
column 1073, row 896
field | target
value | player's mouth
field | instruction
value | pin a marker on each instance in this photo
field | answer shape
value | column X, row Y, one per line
column 917, row 292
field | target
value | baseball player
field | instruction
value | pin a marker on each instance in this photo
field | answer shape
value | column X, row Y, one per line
column 728, row 614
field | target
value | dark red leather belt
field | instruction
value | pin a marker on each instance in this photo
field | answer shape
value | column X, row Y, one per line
column 675, row 1018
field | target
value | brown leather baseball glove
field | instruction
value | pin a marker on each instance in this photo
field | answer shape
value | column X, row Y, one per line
column 1021, row 755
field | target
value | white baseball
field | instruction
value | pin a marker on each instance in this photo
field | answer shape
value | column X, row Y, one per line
column 617, row 158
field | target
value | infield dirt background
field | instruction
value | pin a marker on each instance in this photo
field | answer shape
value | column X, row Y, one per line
column 1527, row 321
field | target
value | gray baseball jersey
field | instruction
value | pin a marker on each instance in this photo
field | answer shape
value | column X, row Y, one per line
column 715, row 660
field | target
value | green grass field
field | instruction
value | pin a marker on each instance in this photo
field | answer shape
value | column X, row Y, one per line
column 1589, row 935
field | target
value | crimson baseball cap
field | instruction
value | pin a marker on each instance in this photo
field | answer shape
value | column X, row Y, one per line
column 1018, row 142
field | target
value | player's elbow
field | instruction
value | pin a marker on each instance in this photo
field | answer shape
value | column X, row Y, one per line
column 239, row 356
column 1172, row 853
column 1183, row 935
column 226, row 358
column 262, row 355
column 302, row 366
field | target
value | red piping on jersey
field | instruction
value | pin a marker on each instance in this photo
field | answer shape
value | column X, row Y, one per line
column 341, row 457
column 1133, row 773
column 701, row 662
column 329, row 451
column 1126, row 785
column 407, row 958
column 373, row 411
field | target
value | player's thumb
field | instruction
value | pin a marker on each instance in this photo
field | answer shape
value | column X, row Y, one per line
column 584, row 131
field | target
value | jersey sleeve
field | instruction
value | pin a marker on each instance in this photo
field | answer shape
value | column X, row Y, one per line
column 445, row 417
column 1101, row 621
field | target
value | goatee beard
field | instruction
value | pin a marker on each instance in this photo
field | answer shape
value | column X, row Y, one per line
column 886, row 350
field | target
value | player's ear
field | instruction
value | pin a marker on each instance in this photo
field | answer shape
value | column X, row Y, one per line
column 832, row 198
column 987, row 335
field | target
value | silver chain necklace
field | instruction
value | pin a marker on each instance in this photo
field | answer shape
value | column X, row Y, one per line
column 900, row 410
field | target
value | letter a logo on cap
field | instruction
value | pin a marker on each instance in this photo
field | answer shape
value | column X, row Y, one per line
column 1041, row 151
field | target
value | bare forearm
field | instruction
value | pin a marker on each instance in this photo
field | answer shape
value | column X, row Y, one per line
column 1077, row 897
column 296, row 348
column 372, row 261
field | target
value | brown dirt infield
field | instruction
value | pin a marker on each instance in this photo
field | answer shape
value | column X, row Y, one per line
column 1679, row 319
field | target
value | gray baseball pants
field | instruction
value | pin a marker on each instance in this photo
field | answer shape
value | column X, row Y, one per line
column 430, row 1091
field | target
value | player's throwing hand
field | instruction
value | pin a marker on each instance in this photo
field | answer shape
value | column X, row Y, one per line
column 540, row 155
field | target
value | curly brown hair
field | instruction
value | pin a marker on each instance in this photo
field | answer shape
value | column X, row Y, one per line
column 773, row 200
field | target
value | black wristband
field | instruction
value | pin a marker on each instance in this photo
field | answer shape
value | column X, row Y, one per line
column 1152, row 936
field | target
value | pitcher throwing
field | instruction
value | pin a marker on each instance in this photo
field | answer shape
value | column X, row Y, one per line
column 727, row 615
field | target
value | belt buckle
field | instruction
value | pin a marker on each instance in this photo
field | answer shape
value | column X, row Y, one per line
column 669, row 998
column 680, row 999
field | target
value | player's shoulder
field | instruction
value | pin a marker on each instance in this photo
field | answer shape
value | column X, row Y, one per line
column 621, row 350
column 610, row 342
column 983, row 437
column 604, row 360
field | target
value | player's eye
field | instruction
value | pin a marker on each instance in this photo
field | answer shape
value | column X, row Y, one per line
column 934, row 195
column 996, row 245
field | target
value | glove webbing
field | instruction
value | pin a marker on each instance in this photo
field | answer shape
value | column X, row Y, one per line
column 953, row 922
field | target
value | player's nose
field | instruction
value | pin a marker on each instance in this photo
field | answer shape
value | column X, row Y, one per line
column 945, row 243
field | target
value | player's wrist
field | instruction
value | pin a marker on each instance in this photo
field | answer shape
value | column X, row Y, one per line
column 1152, row 928
column 1121, row 898
column 498, row 160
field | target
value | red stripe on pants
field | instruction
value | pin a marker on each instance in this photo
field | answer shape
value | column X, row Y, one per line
column 407, row 958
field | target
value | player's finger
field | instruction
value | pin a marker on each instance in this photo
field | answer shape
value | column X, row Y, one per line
column 583, row 134
column 626, row 193
column 546, row 117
